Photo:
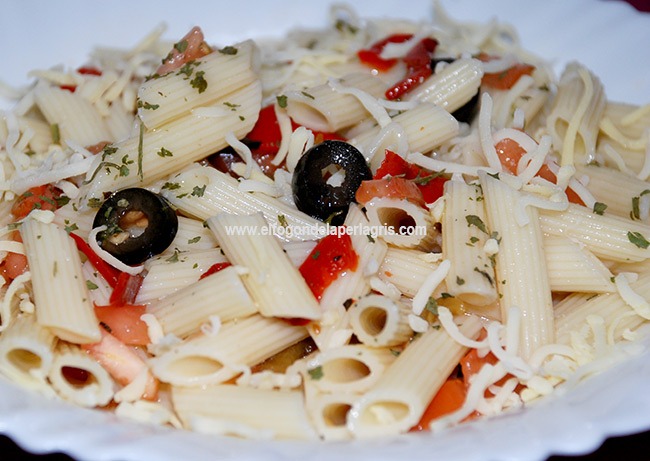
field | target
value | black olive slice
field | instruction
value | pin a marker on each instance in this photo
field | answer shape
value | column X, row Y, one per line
column 326, row 178
column 139, row 224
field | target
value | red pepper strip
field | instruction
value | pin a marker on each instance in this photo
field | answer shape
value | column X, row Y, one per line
column 85, row 70
column 126, row 289
column 430, row 184
column 214, row 269
column 372, row 56
column 330, row 257
column 266, row 132
column 296, row 322
column 107, row 271
column 89, row 70
column 418, row 62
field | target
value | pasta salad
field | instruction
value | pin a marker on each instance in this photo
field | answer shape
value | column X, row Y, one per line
column 374, row 228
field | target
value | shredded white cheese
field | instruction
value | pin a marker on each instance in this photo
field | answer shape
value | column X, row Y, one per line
column 107, row 257
column 429, row 286
column 631, row 298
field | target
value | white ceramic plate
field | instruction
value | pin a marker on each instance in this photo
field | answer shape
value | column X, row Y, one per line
column 607, row 36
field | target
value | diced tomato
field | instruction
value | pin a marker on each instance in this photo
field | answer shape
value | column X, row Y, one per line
column 506, row 79
column 126, row 289
column 395, row 165
column 332, row 256
column 448, row 399
column 372, row 56
column 14, row 264
column 97, row 148
column 192, row 46
column 510, row 152
column 472, row 363
column 110, row 274
column 430, row 184
column 214, row 269
column 121, row 362
column 36, row 198
column 124, row 322
column 391, row 187
column 267, row 128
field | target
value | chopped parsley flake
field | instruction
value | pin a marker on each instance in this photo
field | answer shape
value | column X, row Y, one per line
column 431, row 306
column 147, row 106
column 181, row 46
column 90, row 285
column 70, row 227
column 164, row 152
column 229, row 50
column 599, row 208
column 316, row 373
column 171, row 186
column 231, row 106
column 199, row 191
column 56, row 134
column 199, row 82
column 282, row 100
column 473, row 220
column 637, row 239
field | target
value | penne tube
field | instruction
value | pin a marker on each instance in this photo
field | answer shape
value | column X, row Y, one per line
column 378, row 321
column 199, row 83
column 218, row 357
column 574, row 268
column 243, row 411
column 329, row 413
column 607, row 236
column 404, row 224
column 60, row 292
column 79, row 378
column 273, row 281
column 348, row 368
column 451, row 87
column 184, row 311
column 167, row 274
column 220, row 192
column 623, row 194
column 153, row 155
column 191, row 235
column 406, row 269
column 26, row 350
column 571, row 313
column 323, row 108
column 424, row 127
column 74, row 116
column 521, row 273
column 464, row 235
column 398, row 399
